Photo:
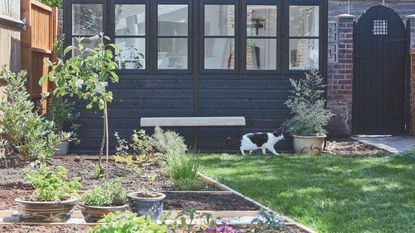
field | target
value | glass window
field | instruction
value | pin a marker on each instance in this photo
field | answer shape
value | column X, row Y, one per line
column 130, row 35
column 173, row 27
column 219, row 33
column 87, row 19
column 261, row 44
column 304, row 37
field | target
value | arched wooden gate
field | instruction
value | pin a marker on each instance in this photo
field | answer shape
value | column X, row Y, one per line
column 380, row 53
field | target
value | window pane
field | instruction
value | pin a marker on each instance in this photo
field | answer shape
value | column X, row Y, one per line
column 130, row 20
column 86, row 43
column 219, row 53
column 261, row 54
column 173, row 20
column 86, row 19
column 261, row 20
column 304, row 21
column 304, row 54
column 172, row 53
column 132, row 53
column 219, row 20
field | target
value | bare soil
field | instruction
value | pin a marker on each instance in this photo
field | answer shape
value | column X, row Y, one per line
column 349, row 146
column 64, row 228
column 207, row 201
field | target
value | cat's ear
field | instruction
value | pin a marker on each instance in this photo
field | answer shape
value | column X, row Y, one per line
column 276, row 133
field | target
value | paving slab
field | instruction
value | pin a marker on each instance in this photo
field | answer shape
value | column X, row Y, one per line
column 392, row 144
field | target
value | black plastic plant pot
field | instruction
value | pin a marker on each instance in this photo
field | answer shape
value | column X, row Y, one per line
column 45, row 211
column 148, row 204
column 94, row 213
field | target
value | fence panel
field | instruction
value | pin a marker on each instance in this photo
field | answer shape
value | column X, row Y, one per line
column 37, row 44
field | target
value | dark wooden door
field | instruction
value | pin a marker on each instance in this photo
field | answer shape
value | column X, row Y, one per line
column 380, row 53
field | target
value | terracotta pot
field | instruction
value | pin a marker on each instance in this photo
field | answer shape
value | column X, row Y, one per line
column 149, row 206
column 62, row 148
column 45, row 211
column 308, row 144
column 94, row 213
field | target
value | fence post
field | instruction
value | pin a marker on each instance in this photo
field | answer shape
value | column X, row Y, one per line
column 411, row 33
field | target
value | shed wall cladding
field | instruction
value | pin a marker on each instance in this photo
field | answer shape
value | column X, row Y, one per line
column 201, row 58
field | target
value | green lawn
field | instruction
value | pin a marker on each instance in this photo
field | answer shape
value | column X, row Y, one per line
column 328, row 193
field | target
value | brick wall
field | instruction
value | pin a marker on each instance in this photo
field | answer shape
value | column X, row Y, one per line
column 340, row 76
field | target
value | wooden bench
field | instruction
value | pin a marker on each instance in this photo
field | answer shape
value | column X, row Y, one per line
column 192, row 121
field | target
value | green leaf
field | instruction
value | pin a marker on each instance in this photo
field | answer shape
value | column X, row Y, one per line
column 68, row 49
column 43, row 79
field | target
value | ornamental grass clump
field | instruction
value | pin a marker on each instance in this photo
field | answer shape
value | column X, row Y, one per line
column 25, row 132
column 308, row 106
column 51, row 185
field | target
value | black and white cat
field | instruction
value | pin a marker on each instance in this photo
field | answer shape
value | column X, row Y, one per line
column 263, row 141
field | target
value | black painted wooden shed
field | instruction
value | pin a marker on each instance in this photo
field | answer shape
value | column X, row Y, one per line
column 201, row 58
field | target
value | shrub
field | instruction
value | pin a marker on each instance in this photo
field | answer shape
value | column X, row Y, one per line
column 137, row 151
column 310, row 116
column 51, row 185
column 24, row 130
column 53, row 3
column 188, row 184
column 127, row 223
column 181, row 166
column 109, row 194
column 168, row 142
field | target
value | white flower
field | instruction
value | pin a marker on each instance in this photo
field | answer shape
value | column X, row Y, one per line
column 101, row 85
column 79, row 83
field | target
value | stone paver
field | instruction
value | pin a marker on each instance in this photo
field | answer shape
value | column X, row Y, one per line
column 393, row 144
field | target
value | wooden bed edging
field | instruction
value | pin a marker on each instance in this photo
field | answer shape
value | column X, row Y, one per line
column 223, row 187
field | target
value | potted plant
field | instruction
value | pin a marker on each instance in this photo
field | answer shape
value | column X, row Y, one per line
column 62, row 112
column 147, row 203
column 54, row 197
column 310, row 115
column 101, row 200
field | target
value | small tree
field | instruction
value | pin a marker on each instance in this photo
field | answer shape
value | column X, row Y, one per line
column 308, row 106
column 85, row 75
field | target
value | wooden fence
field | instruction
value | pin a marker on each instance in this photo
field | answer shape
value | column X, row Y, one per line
column 37, row 44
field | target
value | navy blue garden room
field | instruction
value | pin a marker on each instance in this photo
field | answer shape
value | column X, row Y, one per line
column 183, row 58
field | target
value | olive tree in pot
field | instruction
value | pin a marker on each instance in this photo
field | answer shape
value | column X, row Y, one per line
column 100, row 200
column 54, row 197
column 309, row 113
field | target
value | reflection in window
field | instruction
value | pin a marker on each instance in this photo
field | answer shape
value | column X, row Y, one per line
column 219, row 53
column 86, row 19
column 130, row 20
column 261, row 20
column 261, row 54
column 132, row 53
column 304, row 37
column 86, row 43
column 304, row 21
column 219, row 20
column 173, row 27
column 304, row 54
column 261, row 50
column 219, row 48
column 130, row 32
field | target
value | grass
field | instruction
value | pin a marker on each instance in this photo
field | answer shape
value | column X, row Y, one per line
column 328, row 193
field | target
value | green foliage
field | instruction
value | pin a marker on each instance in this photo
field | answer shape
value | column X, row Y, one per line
column 24, row 130
column 188, row 184
column 138, row 150
column 85, row 74
column 127, row 223
column 62, row 112
column 308, row 106
column 168, row 142
column 51, row 185
column 53, row 3
column 108, row 194
column 182, row 166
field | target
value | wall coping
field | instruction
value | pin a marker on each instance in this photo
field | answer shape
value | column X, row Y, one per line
column 410, row 16
column 347, row 16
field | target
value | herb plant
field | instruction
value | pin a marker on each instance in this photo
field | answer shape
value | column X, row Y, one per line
column 51, row 185
column 24, row 131
column 127, row 223
column 188, row 184
column 168, row 142
column 308, row 106
column 268, row 222
column 109, row 194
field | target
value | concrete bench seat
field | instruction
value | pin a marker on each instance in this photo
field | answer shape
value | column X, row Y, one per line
column 192, row 121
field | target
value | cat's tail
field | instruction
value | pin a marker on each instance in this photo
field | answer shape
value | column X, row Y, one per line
column 229, row 142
